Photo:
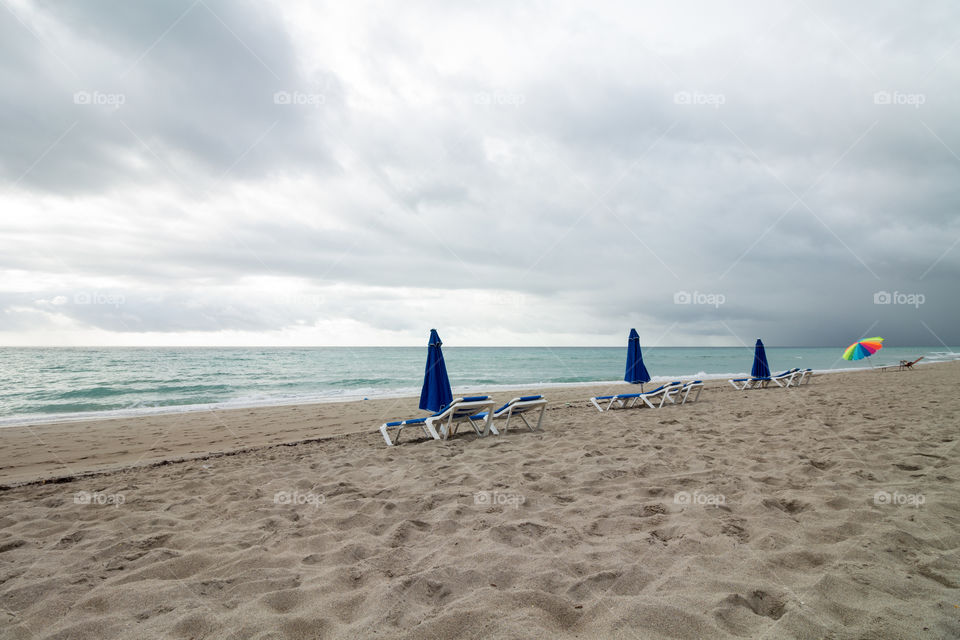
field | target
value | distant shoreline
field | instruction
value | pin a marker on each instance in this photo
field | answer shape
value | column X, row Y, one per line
column 50, row 419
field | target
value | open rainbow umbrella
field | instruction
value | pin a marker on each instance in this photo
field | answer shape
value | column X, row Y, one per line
column 863, row 348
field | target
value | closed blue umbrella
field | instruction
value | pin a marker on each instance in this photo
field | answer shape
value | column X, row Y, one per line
column 436, row 393
column 760, row 367
column 636, row 371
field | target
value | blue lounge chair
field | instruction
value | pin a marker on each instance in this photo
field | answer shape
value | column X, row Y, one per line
column 618, row 401
column 518, row 407
column 741, row 384
column 448, row 419
column 784, row 379
column 687, row 388
column 398, row 425
column 629, row 400
column 463, row 410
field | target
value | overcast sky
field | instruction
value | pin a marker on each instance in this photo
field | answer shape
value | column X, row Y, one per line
column 186, row 172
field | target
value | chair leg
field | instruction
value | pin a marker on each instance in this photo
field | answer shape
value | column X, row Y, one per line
column 543, row 409
column 489, row 427
column 522, row 417
column 386, row 436
column 445, row 429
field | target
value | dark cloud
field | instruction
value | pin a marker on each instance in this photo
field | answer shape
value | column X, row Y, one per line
column 579, row 165
column 181, row 92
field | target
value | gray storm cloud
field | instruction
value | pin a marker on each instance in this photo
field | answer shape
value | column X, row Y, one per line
column 702, row 172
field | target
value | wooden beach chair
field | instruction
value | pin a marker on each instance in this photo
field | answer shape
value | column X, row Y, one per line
column 909, row 365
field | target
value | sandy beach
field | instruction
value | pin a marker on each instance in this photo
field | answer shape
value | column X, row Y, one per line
column 825, row 511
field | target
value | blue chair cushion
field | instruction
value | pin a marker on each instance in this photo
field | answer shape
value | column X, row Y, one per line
column 405, row 422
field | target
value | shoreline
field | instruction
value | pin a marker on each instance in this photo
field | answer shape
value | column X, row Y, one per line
column 40, row 420
column 56, row 452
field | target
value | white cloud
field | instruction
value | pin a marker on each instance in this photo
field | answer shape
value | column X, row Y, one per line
column 463, row 156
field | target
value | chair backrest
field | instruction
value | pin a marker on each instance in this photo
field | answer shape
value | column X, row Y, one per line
column 524, row 403
column 467, row 406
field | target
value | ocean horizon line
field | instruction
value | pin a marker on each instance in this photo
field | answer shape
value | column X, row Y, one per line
column 460, row 346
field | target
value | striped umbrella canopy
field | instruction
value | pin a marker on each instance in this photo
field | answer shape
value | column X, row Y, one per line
column 863, row 348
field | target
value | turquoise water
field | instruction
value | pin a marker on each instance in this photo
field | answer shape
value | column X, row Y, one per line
column 41, row 384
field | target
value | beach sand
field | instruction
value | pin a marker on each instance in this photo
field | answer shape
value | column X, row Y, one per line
column 826, row 511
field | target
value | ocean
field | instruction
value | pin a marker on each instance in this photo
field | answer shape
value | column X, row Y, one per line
column 45, row 384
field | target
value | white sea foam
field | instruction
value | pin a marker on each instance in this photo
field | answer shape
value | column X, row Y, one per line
column 223, row 379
